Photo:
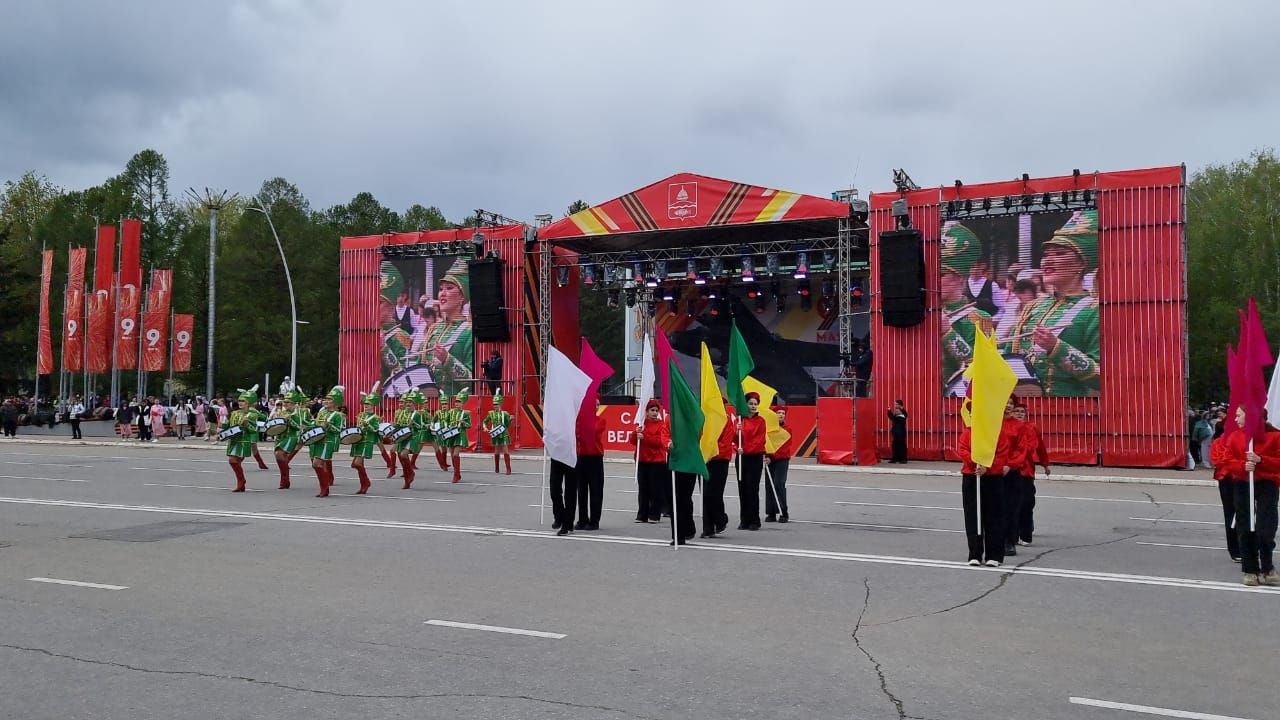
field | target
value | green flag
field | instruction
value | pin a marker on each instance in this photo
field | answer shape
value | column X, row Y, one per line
column 686, row 427
column 740, row 366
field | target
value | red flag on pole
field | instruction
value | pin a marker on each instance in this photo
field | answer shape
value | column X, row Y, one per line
column 101, row 317
column 183, row 338
column 1249, row 382
column 155, row 325
column 44, row 345
column 73, row 319
column 130, row 289
column 662, row 348
column 598, row 370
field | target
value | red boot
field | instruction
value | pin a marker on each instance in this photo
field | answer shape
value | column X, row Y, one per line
column 457, row 468
column 324, row 482
column 239, row 471
column 364, row 480
column 495, row 465
column 507, row 459
column 390, row 459
column 442, row 459
column 258, row 456
column 284, row 473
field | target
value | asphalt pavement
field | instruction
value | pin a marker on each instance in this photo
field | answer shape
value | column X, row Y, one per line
column 134, row 585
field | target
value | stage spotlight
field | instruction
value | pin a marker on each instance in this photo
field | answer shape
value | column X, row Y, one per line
column 986, row 204
column 759, row 303
column 1088, row 196
column 701, row 279
column 803, row 287
column 711, row 292
column 968, row 206
column 631, row 297
column 668, row 292
column 609, row 274
column 1044, row 199
column 717, row 306
column 802, row 265
column 856, row 293
column 691, row 269
column 612, row 302
column 828, row 288
column 752, row 293
column 562, row 275
column 660, row 269
column 806, row 302
column 717, row 267
column 637, row 272
column 1008, row 201
column 829, row 260
column 589, row 274
column 477, row 242
column 952, row 206
column 657, row 271
column 1066, row 197
column 748, row 269
column 772, row 264
column 780, row 302
column 1027, row 200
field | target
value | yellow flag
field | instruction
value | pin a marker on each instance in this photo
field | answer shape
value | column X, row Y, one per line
column 991, row 382
column 775, row 435
column 712, row 402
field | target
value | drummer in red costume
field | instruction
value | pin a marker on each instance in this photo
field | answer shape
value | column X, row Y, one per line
column 986, row 544
column 752, row 465
column 654, row 478
column 714, row 518
column 1257, row 539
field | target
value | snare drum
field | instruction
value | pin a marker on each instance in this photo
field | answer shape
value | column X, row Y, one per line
column 276, row 427
column 262, row 426
column 386, row 430
column 497, row 431
column 350, row 436
column 230, row 433
column 450, row 434
column 312, row 436
column 401, row 434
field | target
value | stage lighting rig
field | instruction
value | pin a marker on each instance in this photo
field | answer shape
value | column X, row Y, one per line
column 657, row 271
column 562, row 275
column 691, row 269
column 588, row 274
column 772, row 263
column 668, row 292
column 612, row 302
column 717, row 267
column 803, row 289
column 802, row 265
column 780, row 301
column 631, row 297
column 700, row 279
column 902, row 219
column 608, row 274
column 856, row 294
column 637, row 272
column 753, row 292
column 829, row 260
column 748, row 269
column 760, row 303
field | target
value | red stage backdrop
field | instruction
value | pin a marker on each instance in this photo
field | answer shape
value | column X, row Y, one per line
column 155, row 328
column 183, row 336
column 44, row 347
column 130, row 290
column 73, row 318
column 101, row 317
column 1133, row 414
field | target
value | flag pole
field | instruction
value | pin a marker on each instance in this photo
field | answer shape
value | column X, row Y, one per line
column 1253, row 517
column 769, row 476
column 979, row 504
column 542, row 500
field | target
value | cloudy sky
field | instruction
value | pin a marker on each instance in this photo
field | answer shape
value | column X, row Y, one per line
column 522, row 107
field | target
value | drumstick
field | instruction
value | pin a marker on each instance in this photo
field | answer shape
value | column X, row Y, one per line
column 1057, row 329
column 960, row 310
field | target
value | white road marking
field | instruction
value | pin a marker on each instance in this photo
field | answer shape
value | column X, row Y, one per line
column 495, row 628
column 1148, row 710
column 78, row 583
column 1038, row 495
column 199, row 487
column 912, row 507
column 871, row 525
column 1036, row 571
column 1185, row 522
column 52, row 479
column 476, row 484
column 258, row 490
column 36, row 464
column 1195, row 547
column 182, row 470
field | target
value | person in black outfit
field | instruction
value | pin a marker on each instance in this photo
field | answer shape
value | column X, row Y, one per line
column 9, row 418
column 862, row 362
column 564, row 491
column 493, row 371
column 898, row 433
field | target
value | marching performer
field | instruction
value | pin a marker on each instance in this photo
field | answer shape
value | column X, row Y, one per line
column 459, row 423
column 1021, row 523
column 653, row 441
column 1257, row 534
column 333, row 421
column 779, row 461
column 497, row 425
column 407, row 416
column 753, row 432
column 714, row 518
column 589, row 473
column 437, row 425
column 296, row 416
column 368, row 422
column 426, row 431
column 240, row 446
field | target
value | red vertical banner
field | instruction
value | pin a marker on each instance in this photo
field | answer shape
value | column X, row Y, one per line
column 44, row 345
column 101, row 310
column 130, row 299
column 155, row 324
column 73, row 317
column 183, row 337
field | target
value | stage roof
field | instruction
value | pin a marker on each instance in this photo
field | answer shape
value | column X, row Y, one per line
column 701, row 210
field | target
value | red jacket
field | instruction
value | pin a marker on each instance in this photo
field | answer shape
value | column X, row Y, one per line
column 784, row 451
column 1017, row 451
column 964, row 450
column 653, row 446
column 1033, row 449
column 1268, row 449
column 593, row 446
column 728, row 444
column 1220, row 458
column 753, row 435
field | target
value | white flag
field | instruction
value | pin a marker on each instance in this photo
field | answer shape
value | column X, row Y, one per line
column 562, row 398
column 646, row 380
column 1273, row 397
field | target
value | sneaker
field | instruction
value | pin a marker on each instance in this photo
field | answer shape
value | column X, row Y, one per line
column 1023, row 542
column 1251, row 580
column 1010, row 549
column 1271, row 579
column 975, row 562
column 770, row 518
column 1235, row 558
column 993, row 563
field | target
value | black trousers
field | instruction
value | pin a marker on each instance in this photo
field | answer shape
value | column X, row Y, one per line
column 1194, row 446
column 990, row 544
column 683, row 506
column 75, row 429
column 563, row 487
column 11, row 428
column 714, row 518
column 1012, row 504
column 144, row 432
column 654, row 487
column 1227, row 493
column 1026, row 515
column 749, row 490
column 899, row 446
column 590, row 475
column 1257, row 545
column 777, row 471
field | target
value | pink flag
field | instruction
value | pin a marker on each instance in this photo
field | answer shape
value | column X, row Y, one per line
column 664, row 353
column 1252, row 355
column 598, row 370
column 1233, row 382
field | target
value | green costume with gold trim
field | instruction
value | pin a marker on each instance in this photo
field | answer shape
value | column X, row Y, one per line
column 406, row 417
column 498, row 418
column 368, row 423
column 454, row 372
column 241, row 446
column 333, row 423
column 957, row 343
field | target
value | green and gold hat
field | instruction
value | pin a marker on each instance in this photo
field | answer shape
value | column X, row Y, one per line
column 1079, row 234
column 374, row 396
column 462, row 396
column 295, row 395
column 497, row 398
column 457, row 275
column 338, row 395
column 961, row 248
column 391, row 282
column 250, row 396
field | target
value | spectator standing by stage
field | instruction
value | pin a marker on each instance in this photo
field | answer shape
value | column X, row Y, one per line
column 144, row 420
column 493, row 371
column 74, row 413
column 181, row 417
column 898, row 432
column 201, row 416
column 158, row 410
column 124, row 419
column 9, row 417
column 862, row 362
column 1201, row 435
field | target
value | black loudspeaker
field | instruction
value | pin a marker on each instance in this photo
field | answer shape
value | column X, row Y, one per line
column 901, row 278
column 488, row 318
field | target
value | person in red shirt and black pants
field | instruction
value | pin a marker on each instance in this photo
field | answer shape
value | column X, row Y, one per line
column 1221, row 460
column 1257, row 543
column 590, row 475
column 653, row 441
column 1021, row 521
column 778, row 462
column 714, row 518
column 752, row 465
column 986, row 544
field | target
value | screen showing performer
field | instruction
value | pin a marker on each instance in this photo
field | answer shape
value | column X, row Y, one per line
column 425, row 312
column 1032, row 278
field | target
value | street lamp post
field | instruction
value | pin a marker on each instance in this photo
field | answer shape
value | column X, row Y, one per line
column 213, row 201
column 288, row 279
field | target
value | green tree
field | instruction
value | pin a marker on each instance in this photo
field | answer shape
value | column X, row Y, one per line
column 23, row 207
column 576, row 206
column 1233, row 252
column 418, row 218
column 147, row 177
column 364, row 215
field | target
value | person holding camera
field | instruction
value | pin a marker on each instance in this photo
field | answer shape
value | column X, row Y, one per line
column 898, row 432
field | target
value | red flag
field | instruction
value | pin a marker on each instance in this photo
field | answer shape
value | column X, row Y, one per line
column 130, row 290
column 598, row 370
column 1253, row 354
column 73, row 317
column 44, row 346
column 183, row 338
column 104, row 257
column 666, row 356
column 101, row 318
column 155, row 325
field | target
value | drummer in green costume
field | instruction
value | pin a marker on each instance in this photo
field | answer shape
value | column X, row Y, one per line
column 333, row 421
column 239, row 447
column 456, row 425
column 497, row 425
column 436, row 425
column 407, row 416
column 368, row 422
column 448, row 348
column 961, row 319
column 1059, row 334
column 296, row 416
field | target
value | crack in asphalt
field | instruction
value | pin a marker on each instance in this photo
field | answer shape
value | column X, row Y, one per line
column 1152, row 498
column 315, row 691
column 884, row 683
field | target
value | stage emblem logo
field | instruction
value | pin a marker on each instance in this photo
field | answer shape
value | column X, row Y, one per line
column 682, row 201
